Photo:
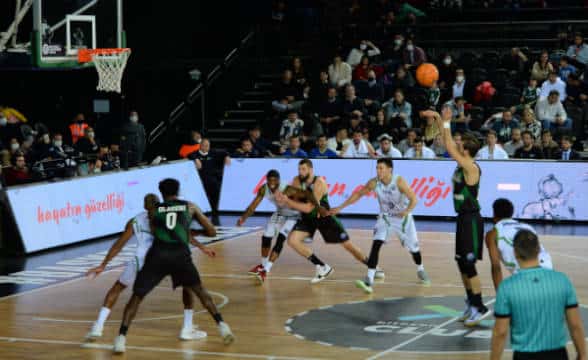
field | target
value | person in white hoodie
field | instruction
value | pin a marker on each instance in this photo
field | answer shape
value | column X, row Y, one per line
column 492, row 151
column 339, row 72
column 419, row 150
column 359, row 147
column 387, row 149
column 553, row 83
column 367, row 48
column 551, row 112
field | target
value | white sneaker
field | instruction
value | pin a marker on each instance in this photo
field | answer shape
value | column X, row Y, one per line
column 380, row 274
column 120, row 344
column 467, row 312
column 95, row 332
column 423, row 277
column 476, row 317
column 322, row 272
column 226, row 333
column 192, row 334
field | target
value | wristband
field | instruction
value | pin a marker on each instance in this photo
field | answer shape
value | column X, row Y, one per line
column 446, row 125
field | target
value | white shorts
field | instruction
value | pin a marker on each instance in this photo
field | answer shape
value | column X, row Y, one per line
column 403, row 228
column 127, row 278
column 279, row 224
column 545, row 260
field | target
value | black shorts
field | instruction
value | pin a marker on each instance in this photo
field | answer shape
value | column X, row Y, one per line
column 163, row 260
column 330, row 228
column 557, row 354
column 469, row 235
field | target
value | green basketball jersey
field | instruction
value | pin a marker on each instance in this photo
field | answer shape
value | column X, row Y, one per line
column 172, row 222
column 465, row 197
column 324, row 201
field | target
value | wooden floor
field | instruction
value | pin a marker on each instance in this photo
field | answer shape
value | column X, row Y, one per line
column 256, row 313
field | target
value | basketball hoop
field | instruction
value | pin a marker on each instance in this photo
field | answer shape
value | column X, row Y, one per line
column 110, row 64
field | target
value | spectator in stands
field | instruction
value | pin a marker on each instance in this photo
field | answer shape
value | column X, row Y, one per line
column 245, row 150
column 12, row 115
column 210, row 165
column 133, row 139
column 530, row 94
column 330, row 112
column 492, row 151
column 405, row 13
column 530, row 123
column 578, row 51
column 340, row 141
column 105, row 160
column 360, row 73
column 460, row 120
column 430, row 131
column 567, row 153
column 339, row 72
column 87, row 144
column 393, row 55
column 386, row 148
column 515, row 142
column 287, row 94
column 366, row 49
column 419, row 150
column 553, row 83
column 18, row 173
column 402, row 80
column 294, row 149
column 462, row 88
column 372, row 92
column 41, row 147
column 504, row 126
column 551, row 112
column 359, row 147
column 407, row 143
column 529, row 149
column 292, row 126
column 399, row 110
column 58, row 149
column 356, row 123
column 433, row 95
column 9, row 128
column 319, row 90
column 78, row 128
column 447, row 71
column 549, row 147
column 380, row 126
column 298, row 74
column 413, row 56
column 565, row 68
column 260, row 145
column 516, row 60
column 438, row 147
column 192, row 145
column 542, row 68
column 6, row 155
column 577, row 91
column 352, row 104
column 322, row 151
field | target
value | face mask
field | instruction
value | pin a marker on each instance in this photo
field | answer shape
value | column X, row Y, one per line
column 410, row 47
column 397, row 42
column 14, row 147
column 459, row 78
column 58, row 143
column 134, row 118
column 447, row 61
column 362, row 47
column 3, row 121
column 91, row 135
column 46, row 139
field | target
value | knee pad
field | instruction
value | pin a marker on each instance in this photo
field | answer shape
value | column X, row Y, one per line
column 279, row 244
column 467, row 268
column 266, row 242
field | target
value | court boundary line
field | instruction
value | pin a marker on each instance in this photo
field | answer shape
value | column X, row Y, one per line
column 101, row 346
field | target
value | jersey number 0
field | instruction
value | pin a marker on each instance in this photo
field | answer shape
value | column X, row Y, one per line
column 171, row 220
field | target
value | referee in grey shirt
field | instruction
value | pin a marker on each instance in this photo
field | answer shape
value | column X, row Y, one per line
column 535, row 303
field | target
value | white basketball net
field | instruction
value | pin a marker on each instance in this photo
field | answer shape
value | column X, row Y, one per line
column 110, row 69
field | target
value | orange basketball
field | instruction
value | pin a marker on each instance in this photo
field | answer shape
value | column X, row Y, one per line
column 427, row 74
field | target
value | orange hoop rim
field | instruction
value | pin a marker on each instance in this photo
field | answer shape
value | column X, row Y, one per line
column 85, row 55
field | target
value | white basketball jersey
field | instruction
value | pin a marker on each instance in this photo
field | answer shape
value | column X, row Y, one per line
column 142, row 233
column 506, row 230
column 392, row 201
column 283, row 211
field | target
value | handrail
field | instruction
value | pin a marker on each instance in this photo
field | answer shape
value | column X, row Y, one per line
column 482, row 23
column 199, row 90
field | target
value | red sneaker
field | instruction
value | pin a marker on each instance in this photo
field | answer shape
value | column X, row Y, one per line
column 261, row 275
column 255, row 270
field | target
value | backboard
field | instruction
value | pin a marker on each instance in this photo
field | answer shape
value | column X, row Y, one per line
column 62, row 27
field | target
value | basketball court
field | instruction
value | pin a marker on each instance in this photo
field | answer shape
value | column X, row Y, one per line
column 52, row 305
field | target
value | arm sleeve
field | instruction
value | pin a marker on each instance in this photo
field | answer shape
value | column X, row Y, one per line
column 502, row 305
column 571, row 300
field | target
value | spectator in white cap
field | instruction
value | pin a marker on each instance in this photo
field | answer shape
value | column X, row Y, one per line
column 387, row 149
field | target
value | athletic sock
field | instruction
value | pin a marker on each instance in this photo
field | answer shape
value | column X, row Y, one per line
column 123, row 330
column 477, row 301
column 313, row 259
column 264, row 261
column 421, row 267
column 188, row 313
column 370, row 274
column 103, row 315
column 470, row 295
column 218, row 318
column 268, row 266
column 416, row 256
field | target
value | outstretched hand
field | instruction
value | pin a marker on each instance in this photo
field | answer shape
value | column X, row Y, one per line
column 95, row 271
column 208, row 252
column 334, row 211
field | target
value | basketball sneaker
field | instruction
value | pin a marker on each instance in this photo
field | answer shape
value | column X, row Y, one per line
column 380, row 274
column 192, row 334
column 254, row 270
column 120, row 344
column 364, row 285
column 422, row 275
column 226, row 333
column 261, row 275
column 476, row 316
column 95, row 332
column 467, row 312
column 322, row 272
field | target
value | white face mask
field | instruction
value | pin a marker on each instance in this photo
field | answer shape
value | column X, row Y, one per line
column 91, row 135
column 58, row 143
column 397, row 42
column 15, row 146
column 460, row 78
column 3, row 121
column 362, row 47
column 447, row 61
column 46, row 139
column 410, row 47
column 134, row 118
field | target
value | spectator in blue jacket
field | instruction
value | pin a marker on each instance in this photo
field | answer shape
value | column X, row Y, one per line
column 294, row 149
column 322, row 150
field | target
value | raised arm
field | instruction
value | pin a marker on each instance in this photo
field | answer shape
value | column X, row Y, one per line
column 251, row 208
column 494, row 258
column 114, row 250
column 369, row 186
column 406, row 190
column 207, row 228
